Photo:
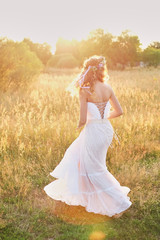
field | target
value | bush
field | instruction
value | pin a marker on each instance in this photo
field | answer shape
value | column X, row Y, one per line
column 151, row 56
column 65, row 60
column 18, row 65
column 43, row 51
column 52, row 62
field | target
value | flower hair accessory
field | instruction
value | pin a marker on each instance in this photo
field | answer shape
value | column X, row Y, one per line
column 82, row 79
column 101, row 64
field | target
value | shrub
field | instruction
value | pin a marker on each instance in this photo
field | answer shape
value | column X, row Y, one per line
column 151, row 56
column 52, row 62
column 65, row 60
column 18, row 65
column 43, row 51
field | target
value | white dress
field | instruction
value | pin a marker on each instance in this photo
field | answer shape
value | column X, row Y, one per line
column 82, row 175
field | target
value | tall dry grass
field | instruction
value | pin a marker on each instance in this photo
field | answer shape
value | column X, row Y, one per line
column 37, row 127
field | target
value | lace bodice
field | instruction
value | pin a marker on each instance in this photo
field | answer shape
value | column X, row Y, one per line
column 99, row 110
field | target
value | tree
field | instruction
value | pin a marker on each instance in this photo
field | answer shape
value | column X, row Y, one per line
column 128, row 47
column 67, row 61
column 63, row 60
column 155, row 45
column 119, row 51
column 18, row 65
column 151, row 56
column 102, row 40
column 67, row 46
column 97, row 43
column 43, row 51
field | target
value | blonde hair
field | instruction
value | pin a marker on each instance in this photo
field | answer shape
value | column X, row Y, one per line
column 94, row 68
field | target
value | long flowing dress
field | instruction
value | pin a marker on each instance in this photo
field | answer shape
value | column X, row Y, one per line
column 82, row 175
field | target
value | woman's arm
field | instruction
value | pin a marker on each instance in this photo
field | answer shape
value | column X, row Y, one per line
column 115, row 104
column 83, row 108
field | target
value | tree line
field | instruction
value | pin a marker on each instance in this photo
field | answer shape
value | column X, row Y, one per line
column 21, row 61
column 120, row 52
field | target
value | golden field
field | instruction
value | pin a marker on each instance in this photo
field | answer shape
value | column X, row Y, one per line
column 38, row 125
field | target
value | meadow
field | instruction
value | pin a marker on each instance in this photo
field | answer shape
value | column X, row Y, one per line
column 38, row 125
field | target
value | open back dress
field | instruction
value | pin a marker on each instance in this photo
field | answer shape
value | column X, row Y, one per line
column 82, row 175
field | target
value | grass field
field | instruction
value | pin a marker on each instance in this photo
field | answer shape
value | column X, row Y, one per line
column 36, row 128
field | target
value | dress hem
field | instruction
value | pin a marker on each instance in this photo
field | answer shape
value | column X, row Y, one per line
column 120, row 209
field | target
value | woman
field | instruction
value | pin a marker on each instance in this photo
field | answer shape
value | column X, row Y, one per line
column 82, row 175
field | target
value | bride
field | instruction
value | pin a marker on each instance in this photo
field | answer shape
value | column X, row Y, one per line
column 82, row 175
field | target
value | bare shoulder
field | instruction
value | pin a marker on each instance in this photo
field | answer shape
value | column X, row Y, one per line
column 82, row 93
column 108, row 87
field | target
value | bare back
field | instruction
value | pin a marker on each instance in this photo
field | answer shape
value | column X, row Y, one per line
column 102, row 93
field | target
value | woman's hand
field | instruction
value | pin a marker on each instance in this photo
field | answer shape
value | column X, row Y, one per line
column 80, row 125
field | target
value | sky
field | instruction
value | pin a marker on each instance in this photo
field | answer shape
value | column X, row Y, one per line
column 47, row 20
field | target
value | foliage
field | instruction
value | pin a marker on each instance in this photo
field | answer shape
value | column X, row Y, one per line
column 18, row 65
column 43, row 51
column 52, row 62
column 155, row 45
column 117, row 50
column 66, row 46
column 63, row 60
column 125, row 50
column 151, row 56
column 67, row 61
column 120, row 51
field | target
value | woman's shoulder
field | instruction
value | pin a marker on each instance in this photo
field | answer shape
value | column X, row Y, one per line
column 83, row 93
column 107, row 85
